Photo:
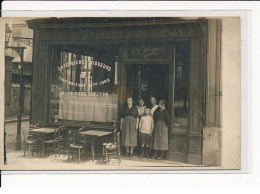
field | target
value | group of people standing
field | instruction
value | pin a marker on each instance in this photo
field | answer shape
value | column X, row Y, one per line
column 148, row 124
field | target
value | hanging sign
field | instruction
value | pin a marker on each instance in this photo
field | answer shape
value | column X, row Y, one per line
column 148, row 51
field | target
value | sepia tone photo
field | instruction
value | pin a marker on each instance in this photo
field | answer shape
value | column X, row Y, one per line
column 121, row 93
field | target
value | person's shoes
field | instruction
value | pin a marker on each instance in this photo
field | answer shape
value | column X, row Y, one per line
column 160, row 157
column 142, row 154
column 126, row 154
column 154, row 156
column 130, row 155
column 147, row 154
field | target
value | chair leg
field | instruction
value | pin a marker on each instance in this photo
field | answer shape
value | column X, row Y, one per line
column 119, row 158
column 54, row 147
column 103, row 155
column 47, row 149
column 79, row 155
column 64, row 146
column 69, row 156
column 29, row 149
column 24, row 149
column 59, row 148
column 106, row 157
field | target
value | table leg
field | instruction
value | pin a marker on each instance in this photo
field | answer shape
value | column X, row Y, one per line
column 93, row 148
column 42, row 137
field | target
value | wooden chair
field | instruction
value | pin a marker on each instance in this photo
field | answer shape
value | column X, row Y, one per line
column 112, row 150
column 76, row 145
column 63, row 139
column 54, row 143
column 31, row 141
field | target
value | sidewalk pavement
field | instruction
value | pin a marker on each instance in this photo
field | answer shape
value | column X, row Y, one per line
column 11, row 131
column 16, row 161
column 13, row 118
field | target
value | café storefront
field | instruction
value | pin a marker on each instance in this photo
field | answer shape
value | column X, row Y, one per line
column 85, row 68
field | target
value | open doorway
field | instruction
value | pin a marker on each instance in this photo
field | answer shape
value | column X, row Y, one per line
column 146, row 80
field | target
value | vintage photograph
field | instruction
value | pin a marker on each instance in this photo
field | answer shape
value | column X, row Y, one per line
column 121, row 93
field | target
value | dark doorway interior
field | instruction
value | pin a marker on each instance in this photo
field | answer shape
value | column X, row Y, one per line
column 148, row 80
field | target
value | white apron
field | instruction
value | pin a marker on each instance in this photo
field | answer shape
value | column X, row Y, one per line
column 154, row 109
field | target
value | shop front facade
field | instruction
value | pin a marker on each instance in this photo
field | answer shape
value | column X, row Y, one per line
column 84, row 69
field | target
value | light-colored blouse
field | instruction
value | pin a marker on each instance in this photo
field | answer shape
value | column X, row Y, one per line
column 146, row 124
column 141, row 110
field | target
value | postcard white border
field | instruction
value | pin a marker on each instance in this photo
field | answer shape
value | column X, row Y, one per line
column 241, row 9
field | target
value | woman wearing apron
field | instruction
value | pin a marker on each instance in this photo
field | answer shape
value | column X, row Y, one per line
column 160, row 139
column 129, row 126
column 155, row 109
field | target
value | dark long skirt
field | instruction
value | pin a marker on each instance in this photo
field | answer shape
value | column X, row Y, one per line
column 160, row 138
column 129, row 132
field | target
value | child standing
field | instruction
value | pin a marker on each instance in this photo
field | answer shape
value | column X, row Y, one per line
column 146, row 129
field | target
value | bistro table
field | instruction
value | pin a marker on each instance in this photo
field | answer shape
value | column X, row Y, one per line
column 42, row 134
column 87, row 125
column 94, row 134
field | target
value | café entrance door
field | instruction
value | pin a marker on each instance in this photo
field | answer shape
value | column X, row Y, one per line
column 146, row 80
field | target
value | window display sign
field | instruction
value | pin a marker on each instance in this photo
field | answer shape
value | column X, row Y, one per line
column 80, row 72
column 148, row 51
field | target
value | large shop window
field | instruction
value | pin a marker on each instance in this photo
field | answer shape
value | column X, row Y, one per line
column 182, row 61
column 84, row 88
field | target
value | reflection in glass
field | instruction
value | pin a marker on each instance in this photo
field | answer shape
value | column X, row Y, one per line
column 181, row 87
column 82, row 85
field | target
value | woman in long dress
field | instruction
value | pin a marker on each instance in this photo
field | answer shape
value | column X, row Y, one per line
column 155, row 109
column 160, row 139
column 129, row 126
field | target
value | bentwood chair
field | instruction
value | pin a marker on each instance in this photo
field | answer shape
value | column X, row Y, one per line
column 112, row 150
column 54, row 143
column 76, row 145
column 31, row 141
column 63, row 139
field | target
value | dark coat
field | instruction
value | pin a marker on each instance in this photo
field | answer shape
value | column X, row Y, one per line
column 129, row 131
column 160, row 138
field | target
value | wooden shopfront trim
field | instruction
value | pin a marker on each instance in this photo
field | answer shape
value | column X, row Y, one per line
column 47, row 35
